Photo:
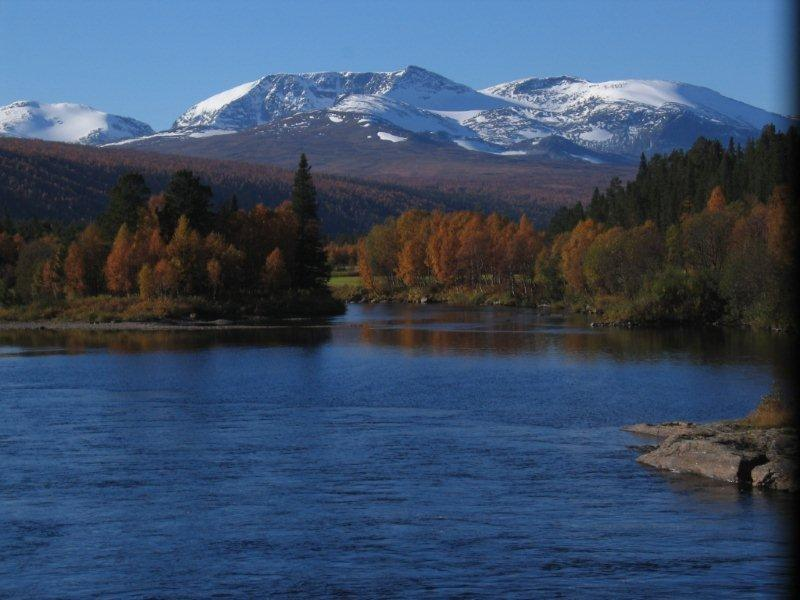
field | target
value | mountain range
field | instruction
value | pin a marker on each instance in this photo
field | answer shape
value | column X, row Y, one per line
column 595, row 122
column 528, row 145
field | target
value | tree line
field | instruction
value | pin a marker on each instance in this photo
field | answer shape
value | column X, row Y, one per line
column 665, row 247
column 172, row 244
column 666, row 187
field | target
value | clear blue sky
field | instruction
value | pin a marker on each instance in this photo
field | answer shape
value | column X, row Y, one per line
column 152, row 60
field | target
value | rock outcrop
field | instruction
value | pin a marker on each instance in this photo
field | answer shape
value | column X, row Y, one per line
column 747, row 456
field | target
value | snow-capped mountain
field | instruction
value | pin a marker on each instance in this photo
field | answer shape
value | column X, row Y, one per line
column 626, row 116
column 66, row 122
column 612, row 120
column 276, row 96
column 619, row 117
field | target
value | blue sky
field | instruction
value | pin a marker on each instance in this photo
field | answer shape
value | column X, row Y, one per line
column 152, row 60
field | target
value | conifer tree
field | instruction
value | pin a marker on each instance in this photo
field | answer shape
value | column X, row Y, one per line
column 126, row 198
column 93, row 252
column 310, row 269
column 185, row 195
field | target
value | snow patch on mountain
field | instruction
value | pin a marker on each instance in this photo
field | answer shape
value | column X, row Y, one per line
column 478, row 145
column 390, row 137
column 398, row 113
column 596, row 134
column 561, row 93
column 184, row 133
column 67, row 122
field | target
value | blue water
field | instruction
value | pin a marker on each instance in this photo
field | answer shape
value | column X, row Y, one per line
column 393, row 452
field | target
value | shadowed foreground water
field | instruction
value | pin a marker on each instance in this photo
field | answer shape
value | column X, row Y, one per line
column 394, row 452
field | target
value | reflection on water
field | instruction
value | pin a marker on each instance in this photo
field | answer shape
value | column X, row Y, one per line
column 542, row 334
column 132, row 341
column 394, row 451
column 445, row 331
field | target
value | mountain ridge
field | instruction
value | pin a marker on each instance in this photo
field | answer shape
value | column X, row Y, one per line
column 617, row 116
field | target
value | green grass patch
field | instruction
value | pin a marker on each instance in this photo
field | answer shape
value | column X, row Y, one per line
column 344, row 280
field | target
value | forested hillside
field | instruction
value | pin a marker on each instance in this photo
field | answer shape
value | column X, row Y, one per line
column 53, row 181
column 669, row 186
column 705, row 236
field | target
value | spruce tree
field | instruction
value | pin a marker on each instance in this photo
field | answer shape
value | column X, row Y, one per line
column 226, row 212
column 185, row 195
column 8, row 224
column 310, row 269
column 128, row 196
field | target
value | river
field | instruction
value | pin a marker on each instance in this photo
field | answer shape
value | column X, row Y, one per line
column 396, row 451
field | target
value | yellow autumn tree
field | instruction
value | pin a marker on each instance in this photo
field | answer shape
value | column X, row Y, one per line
column 413, row 229
column 119, row 264
column 165, row 278
column 523, row 247
column 74, row 271
column 274, row 275
column 146, row 282
column 186, row 254
column 573, row 254
column 442, row 251
column 716, row 200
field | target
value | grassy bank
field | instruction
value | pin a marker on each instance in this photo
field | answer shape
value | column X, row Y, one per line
column 350, row 288
column 677, row 307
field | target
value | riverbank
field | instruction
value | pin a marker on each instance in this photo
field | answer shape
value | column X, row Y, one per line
column 603, row 314
column 167, row 325
column 131, row 312
column 760, row 451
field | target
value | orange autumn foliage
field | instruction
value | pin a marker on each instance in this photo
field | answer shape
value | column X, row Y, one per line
column 119, row 264
column 574, row 252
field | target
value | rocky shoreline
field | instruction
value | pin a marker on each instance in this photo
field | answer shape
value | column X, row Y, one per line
column 751, row 457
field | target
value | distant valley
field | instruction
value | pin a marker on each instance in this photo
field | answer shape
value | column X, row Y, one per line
column 70, row 182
